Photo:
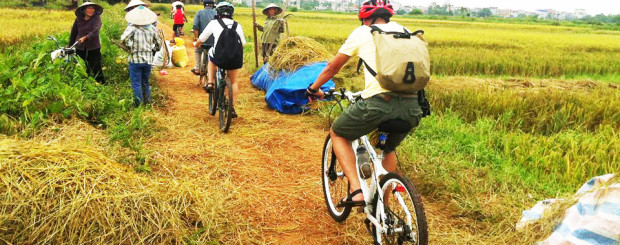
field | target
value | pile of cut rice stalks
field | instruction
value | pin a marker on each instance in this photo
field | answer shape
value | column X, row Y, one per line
column 69, row 194
column 294, row 52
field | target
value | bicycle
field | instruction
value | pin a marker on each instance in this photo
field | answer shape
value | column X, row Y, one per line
column 221, row 100
column 400, row 220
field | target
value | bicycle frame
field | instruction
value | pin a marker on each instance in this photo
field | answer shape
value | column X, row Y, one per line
column 374, row 188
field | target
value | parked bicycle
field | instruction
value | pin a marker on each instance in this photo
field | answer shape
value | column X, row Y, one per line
column 220, row 99
column 394, row 210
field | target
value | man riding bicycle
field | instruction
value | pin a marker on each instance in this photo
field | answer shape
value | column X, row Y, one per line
column 379, row 104
column 225, row 12
column 202, row 19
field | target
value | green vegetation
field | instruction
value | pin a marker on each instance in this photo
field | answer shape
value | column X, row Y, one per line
column 34, row 91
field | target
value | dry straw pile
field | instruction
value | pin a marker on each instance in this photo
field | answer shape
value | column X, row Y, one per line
column 294, row 52
column 68, row 194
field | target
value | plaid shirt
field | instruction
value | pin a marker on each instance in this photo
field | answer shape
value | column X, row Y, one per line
column 143, row 42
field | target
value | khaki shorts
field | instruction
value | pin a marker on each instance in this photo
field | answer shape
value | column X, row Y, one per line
column 366, row 115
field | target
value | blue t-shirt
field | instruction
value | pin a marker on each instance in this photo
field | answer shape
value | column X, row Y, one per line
column 202, row 19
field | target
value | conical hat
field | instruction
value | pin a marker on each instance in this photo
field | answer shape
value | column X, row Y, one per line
column 98, row 8
column 141, row 16
column 272, row 5
column 134, row 3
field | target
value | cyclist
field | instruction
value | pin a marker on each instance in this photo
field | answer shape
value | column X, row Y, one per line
column 203, row 17
column 225, row 12
column 378, row 104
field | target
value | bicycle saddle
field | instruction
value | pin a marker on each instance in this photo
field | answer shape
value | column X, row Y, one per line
column 395, row 126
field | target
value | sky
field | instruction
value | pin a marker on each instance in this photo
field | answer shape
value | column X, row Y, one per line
column 592, row 7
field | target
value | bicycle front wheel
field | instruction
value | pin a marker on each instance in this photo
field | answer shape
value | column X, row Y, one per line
column 405, row 218
column 225, row 104
column 335, row 184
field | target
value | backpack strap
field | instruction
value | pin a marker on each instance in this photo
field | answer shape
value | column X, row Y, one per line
column 219, row 20
column 359, row 65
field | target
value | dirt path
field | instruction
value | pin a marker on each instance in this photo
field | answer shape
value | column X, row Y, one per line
column 274, row 158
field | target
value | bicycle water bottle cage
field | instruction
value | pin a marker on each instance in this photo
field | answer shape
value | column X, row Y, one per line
column 395, row 126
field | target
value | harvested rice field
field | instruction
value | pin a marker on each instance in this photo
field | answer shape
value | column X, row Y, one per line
column 517, row 117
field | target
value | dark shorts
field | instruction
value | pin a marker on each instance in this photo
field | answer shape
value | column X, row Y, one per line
column 366, row 115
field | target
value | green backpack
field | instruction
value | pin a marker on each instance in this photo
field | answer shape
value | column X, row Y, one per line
column 403, row 63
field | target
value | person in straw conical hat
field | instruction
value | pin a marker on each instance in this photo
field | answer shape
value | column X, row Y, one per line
column 142, row 39
column 85, row 31
column 135, row 3
column 272, row 29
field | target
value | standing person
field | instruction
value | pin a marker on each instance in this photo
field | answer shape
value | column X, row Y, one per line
column 142, row 39
column 272, row 30
column 225, row 12
column 378, row 104
column 85, row 31
column 202, row 19
column 133, row 4
column 179, row 20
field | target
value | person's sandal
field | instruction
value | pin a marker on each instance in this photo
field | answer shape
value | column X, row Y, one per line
column 348, row 202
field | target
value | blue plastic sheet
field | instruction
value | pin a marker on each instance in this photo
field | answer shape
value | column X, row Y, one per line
column 285, row 93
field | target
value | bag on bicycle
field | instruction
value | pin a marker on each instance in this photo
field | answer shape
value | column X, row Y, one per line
column 228, row 53
column 403, row 63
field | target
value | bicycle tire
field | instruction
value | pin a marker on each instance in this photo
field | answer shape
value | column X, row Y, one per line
column 225, row 103
column 415, row 201
column 330, row 166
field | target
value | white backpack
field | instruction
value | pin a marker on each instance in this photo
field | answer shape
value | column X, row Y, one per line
column 403, row 63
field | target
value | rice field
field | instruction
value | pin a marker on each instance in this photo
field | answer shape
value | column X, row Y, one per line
column 474, row 48
column 20, row 25
column 521, row 113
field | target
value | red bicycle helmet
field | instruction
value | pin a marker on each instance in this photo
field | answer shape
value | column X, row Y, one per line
column 375, row 8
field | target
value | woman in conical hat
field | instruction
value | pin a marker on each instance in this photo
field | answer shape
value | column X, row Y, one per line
column 272, row 30
column 135, row 3
column 85, row 31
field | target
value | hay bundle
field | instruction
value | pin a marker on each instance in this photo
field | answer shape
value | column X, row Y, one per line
column 295, row 52
column 52, row 194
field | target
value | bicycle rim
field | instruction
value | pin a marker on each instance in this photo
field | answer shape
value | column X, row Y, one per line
column 335, row 185
column 402, row 196
column 225, row 105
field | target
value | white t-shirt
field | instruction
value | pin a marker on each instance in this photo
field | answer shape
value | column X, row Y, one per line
column 216, row 29
column 360, row 43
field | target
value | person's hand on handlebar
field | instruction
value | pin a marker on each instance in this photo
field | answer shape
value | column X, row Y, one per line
column 314, row 94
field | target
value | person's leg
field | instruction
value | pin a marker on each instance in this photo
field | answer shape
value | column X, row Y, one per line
column 94, row 59
column 146, row 86
column 197, row 55
column 136, row 83
column 346, row 159
column 232, row 74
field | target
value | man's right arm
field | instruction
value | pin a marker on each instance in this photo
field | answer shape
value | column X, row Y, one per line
column 329, row 72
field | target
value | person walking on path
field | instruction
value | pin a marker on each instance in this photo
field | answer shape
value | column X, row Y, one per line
column 142, row 39
column 202, row 19
column 85, row 31
column 272, row 30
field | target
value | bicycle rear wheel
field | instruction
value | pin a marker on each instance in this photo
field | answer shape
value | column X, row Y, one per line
column 225, row 103
column 335, row 184
column 402, row 197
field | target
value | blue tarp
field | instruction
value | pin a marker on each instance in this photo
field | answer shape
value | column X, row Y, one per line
column 285, row 93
